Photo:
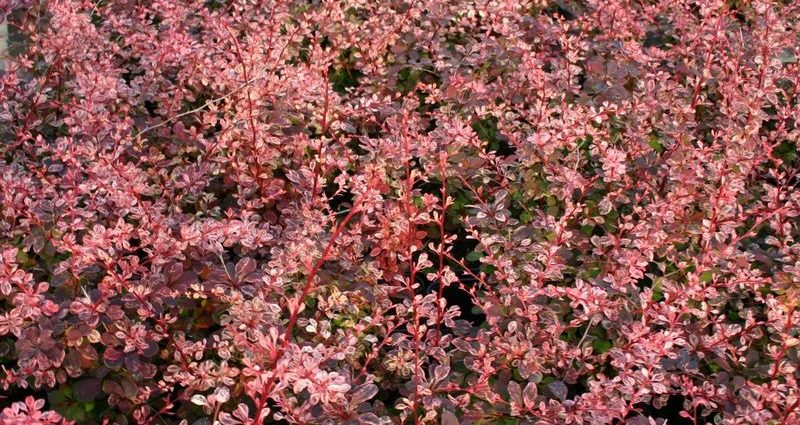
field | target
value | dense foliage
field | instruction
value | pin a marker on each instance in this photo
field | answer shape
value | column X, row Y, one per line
column 400, row 211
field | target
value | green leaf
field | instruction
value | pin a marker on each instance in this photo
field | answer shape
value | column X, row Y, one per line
column 311, row 302
column 593, row 272
column 600, row 346
column 344, row 78
column 474, row 256
column 656, row 144
column 658, row 294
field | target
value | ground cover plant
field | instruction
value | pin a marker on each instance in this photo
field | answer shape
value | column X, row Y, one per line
column 401, row 211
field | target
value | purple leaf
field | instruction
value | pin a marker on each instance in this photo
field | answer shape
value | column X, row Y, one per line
column 448, row 418
column 529, row 395
column 558, row 389
column 363, row 393
column 87, row 389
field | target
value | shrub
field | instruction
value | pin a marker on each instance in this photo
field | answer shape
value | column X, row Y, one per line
column 500, row 212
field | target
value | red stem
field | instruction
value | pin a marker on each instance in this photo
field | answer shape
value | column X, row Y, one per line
column 308, row 287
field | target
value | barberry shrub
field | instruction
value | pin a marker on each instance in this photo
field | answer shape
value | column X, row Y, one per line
column 399, row 211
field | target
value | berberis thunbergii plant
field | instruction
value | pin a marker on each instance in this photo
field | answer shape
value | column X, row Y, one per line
column 400, row 212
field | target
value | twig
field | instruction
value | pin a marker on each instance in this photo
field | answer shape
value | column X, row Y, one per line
column 580, row 343
column 206, row 105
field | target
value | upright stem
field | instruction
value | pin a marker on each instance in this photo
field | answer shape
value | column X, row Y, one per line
column 442, row 240
column 295, row 306
column 411, row 231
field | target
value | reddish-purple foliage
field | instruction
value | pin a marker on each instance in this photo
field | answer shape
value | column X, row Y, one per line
column 341, row 212
column 29, row 413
